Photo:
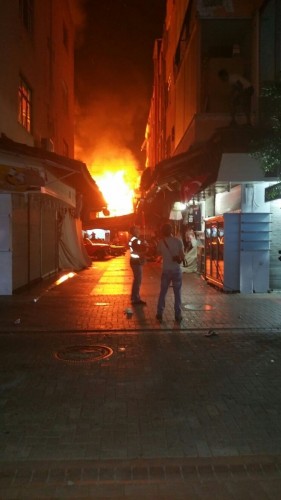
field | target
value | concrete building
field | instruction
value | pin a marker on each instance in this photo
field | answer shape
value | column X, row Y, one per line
column 37, row 86
column 194, row 154
column 44, row 192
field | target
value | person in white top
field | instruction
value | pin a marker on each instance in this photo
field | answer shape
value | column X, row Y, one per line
column 241, row 94
column 172, row 252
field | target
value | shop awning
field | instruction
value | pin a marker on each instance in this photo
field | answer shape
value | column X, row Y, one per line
column 28, row 166
column 19, row 175
column 187, row 173
column 183, row 176
column 76, row 174
column 199, row 166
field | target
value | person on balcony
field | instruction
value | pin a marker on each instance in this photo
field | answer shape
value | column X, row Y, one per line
column 240, row 96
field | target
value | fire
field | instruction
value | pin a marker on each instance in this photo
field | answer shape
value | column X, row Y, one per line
column 117, row 192
column 117, row 178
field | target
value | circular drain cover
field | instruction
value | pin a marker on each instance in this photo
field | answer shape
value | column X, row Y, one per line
column 80, row 353
column 198, row 307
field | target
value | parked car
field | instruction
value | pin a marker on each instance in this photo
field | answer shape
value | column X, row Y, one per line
column 116, row 250
column 96, row 250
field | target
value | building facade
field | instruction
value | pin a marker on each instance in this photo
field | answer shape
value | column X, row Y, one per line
column 37, row 86
column 44, row 192
column 194, row 154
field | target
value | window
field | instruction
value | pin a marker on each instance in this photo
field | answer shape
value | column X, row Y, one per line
column 184, row 38
column 26, row 13
column 24, row 105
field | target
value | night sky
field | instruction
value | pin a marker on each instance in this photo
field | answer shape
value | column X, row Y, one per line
column 114, row 73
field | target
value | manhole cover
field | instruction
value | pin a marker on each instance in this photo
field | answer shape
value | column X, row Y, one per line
column 79, row 353
column 198, row 307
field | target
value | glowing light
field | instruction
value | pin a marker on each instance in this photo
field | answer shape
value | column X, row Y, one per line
column 116, row 175
column 116, row 172
column 117, row 192
column 63, row 278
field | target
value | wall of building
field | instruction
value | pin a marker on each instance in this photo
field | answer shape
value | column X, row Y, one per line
column 43, row 56
column 199, row 39
column 34, row 232
column 237, row 36
column 187, row 87
column 10, row 62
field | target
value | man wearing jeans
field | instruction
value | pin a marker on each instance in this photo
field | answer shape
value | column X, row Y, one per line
column 172, row 252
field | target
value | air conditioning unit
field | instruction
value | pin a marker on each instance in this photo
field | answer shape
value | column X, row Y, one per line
column 47, row 144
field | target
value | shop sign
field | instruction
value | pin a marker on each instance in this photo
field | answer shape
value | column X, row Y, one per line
column 20, row 179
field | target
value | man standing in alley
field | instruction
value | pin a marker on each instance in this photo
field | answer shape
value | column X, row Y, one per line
column 137, row 259
column 172, row 252
column 240, row 95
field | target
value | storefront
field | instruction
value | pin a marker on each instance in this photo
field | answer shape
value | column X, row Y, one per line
column 42, row 198
column 237, row 228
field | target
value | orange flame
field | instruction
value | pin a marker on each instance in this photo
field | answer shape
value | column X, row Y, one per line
column 117, row 177
column 117, row 192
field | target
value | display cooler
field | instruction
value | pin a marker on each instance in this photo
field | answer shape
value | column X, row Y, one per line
column 237, row 252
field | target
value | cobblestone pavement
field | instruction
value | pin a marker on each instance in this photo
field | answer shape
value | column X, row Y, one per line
column 95, row 405
column 96, row 298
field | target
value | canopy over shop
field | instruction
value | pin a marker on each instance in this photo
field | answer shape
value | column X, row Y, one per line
column 185, row 176
column 34, row 161
column 44, row 198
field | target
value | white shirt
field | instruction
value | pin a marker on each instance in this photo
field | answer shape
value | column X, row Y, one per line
column 175, row 247
column 234, row 79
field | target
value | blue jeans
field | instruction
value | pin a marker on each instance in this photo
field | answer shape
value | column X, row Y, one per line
column 137, row 272
column 167, row 277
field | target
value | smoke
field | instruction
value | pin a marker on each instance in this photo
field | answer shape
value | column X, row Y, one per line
column 106, row 127
column 101, row 138
column 113, row 86
column 113, row 79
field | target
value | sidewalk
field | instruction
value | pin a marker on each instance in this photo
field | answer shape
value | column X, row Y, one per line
column 95, row 405
column 95, row 300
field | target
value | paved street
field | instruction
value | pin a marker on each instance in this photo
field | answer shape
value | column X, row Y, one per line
column 99, row 406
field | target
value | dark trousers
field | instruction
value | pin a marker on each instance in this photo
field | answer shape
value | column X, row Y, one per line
column 241, row 100
column 137, row 273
